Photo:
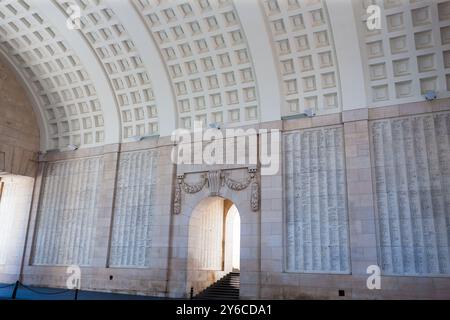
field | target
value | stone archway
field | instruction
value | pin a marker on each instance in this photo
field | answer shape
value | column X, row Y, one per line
column 179, row 260
column 211, row 242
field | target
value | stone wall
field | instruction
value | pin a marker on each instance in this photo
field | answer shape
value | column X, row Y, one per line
column 347, row 196
column 206, row 234
column 205, row 247
column 316, row 210
column 128, row 231
column 19, row 131
column 412, row 187
column 67, row 212
column 19, row 144
column 133, row 209
column 361, row 196
column 14, row 211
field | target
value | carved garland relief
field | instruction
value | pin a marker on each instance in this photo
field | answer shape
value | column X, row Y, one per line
column 215, row 181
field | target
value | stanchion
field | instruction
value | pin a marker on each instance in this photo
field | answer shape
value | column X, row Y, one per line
column 16, row 287
column 192, row 293
column 76, row 294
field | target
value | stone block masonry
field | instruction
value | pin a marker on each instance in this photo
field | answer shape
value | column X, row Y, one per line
column 316, row 210
column 372, row 190
column 67, row 213
column 133, row 210
column 412, row 187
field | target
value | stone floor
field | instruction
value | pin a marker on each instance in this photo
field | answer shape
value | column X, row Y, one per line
column 38, row 293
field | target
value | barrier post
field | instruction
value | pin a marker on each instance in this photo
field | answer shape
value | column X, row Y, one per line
column 192, row 293
column 16, row 287
column 76, row 294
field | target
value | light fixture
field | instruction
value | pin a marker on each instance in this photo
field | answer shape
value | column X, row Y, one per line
column 430, row 95
column 214, row 125
column 135, row 138
column 309, row 112
column 72, row 147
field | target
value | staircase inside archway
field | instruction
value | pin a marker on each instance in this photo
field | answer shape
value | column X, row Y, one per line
column 227, row 288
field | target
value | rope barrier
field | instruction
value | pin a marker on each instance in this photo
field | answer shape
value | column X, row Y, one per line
column 18, row 284
column 45, row 293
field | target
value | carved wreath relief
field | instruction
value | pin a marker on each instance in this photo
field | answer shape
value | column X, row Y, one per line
column 215, row 181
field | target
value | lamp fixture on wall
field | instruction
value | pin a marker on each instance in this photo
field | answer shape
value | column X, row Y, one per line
column 430, row 95
column 214, row 125
column 72, row 147
column 309, row 112
column 135, row 138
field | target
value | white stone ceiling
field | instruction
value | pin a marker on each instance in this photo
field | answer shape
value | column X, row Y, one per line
column 411, row 55
column 125, row 69
column 147, row 67
column 305, row 52
column 60, row 82
column 208, row 60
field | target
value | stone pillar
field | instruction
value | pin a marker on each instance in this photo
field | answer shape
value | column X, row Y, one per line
column 250, row 261
column 271, row 228
column 163, row 211
column 363, row 244
column 31, row 234
column 105, row 206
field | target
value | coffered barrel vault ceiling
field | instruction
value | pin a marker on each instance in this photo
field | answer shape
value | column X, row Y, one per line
column 147, row 67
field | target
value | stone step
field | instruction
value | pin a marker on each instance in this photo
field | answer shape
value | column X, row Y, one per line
column 228, row 283
column 219, row 294
column 217, row 298
column 226, row 288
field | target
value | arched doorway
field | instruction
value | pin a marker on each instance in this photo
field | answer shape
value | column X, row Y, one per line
column 213, row 242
